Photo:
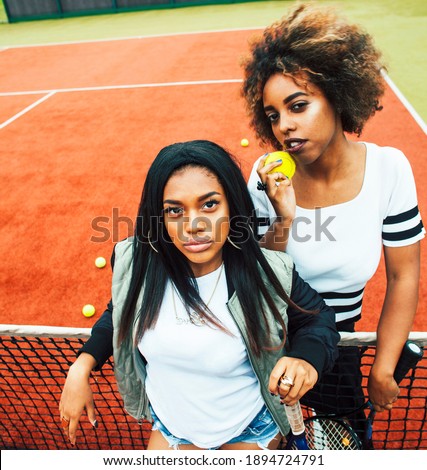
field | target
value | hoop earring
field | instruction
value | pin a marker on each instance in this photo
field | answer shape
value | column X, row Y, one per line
column 149, row 242
column 233, row 244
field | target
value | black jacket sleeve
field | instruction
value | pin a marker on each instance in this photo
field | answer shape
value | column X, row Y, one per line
column 100, row 343
column 316, row 329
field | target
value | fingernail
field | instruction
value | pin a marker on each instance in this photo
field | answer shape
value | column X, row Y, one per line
column 94, row 423
column 279, row 161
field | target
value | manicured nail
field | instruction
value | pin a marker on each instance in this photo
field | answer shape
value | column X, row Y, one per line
column 94, row 423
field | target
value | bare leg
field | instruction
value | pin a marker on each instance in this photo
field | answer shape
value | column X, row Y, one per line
column 158, row 442
column 246, row 446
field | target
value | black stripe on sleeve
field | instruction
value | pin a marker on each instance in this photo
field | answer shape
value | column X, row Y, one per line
column 403, row 217
column 404, row 234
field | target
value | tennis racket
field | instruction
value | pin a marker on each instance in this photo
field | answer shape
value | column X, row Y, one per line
column 322, row 432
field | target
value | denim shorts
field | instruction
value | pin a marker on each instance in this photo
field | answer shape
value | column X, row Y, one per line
column 261, row 430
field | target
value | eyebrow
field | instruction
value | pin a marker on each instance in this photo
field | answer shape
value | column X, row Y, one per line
column 201, row 198
column 288, row 99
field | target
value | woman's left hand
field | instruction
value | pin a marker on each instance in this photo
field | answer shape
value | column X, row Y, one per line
column 383, row 391
column 291, row 378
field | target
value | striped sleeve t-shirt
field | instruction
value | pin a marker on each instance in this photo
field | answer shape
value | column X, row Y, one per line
column 337, row 249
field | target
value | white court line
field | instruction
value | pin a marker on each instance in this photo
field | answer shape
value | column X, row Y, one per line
column 132, row 38
column 24, row 111
column 418, row 119
column 122, row 87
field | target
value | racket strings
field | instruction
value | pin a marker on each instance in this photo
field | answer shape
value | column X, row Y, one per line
column 327, row 434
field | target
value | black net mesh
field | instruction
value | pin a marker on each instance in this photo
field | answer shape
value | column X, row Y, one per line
column 33, row 371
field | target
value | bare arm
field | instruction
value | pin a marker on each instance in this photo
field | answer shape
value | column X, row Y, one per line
column 77, row 395
column 397, row 316
column 282, row 197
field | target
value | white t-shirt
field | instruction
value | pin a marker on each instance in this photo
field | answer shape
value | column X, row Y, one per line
column 337, row 249
column 199, row 379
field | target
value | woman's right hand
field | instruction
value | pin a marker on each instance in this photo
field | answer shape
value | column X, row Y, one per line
column 77, row 396
column 279, row 190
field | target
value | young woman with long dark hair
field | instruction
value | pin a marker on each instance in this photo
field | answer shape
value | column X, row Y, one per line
column 211, row 333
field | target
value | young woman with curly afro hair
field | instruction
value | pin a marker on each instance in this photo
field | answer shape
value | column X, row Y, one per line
column 310, row 81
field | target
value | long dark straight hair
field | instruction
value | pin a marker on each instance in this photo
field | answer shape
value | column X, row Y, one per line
column 156, row 259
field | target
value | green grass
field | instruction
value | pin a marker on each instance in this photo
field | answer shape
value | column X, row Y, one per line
column 398, row 26
column 3, row 16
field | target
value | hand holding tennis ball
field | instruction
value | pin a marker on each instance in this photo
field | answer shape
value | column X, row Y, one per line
column 277, row 184
column 287, row 166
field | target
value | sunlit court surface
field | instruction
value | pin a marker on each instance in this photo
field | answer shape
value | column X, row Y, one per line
column 80, row 124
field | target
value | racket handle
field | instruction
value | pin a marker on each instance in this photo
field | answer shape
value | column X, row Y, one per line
column 411, row 354
column 295, row 418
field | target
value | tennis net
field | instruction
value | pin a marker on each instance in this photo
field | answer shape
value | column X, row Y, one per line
column 34, row 361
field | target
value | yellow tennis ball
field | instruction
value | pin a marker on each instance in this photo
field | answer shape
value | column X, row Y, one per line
column 345, row 442
column 88, row 310
column 100, row 262
column 287, row 167
column 244, row 142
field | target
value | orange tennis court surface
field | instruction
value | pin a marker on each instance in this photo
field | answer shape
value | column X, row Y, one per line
column 80, row 124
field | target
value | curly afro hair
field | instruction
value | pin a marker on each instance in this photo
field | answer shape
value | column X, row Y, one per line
column 315, row 43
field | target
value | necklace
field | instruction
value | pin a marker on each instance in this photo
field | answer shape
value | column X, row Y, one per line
column 194, row 317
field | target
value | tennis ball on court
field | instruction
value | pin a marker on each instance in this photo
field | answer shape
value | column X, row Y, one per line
column 100, row 262
column 88, row 310
column 244, row 142
column 288, row 164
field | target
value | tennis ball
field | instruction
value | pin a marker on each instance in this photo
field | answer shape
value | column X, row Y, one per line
column 288, row 164
column 88, row 310
column 244, row 142
column 100, row 262
column 345, row 442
